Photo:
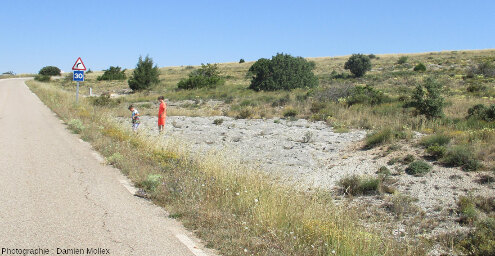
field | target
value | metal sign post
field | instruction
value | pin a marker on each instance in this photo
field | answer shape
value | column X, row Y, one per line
column 78, row 74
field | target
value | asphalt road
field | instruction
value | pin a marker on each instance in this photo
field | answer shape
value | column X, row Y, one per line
column 55, row 192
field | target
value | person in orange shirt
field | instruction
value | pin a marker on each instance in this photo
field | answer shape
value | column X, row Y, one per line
column 162, row 114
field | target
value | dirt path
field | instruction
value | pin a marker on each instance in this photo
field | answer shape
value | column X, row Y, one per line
column 56, row 193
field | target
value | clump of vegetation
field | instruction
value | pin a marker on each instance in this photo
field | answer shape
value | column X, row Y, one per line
column 383, row 170
column 418, row 168
column 461, row 156
column 218, row 121
column 486, row 69
column 401, row 204
column 145, row 75
column 103, row 100
column 151, row 182
column 245, row 113
column 76, row 125
column 480, row 241
column 290, row 112
column 482, row 112
column 282, row 72
column 476, row 87
column 372, row 56
column 402, row 60
column 115, row 158
column 366, row 95
column 383, row 136
column 427, row 99
column 358, row 64
column 420, row 67
column 113, row 73
column 355, row 185
column 435, row 144
column 42, row 78
column 242, row 61
column 49, row 71
column 208, row 76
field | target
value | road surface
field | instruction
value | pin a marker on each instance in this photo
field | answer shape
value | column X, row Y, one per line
column 57, row 195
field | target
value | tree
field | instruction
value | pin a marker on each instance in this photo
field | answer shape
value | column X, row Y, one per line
column 144, row 75
column 242, row 61
column 207, row 76
column 358, row 64
column 282, row 72
column 49, row 71
column 427, row 99
column 113, row 73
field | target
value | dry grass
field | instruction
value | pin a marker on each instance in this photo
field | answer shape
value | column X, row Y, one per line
column 230, row 207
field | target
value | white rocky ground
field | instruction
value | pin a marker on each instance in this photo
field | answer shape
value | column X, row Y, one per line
column 312, row 155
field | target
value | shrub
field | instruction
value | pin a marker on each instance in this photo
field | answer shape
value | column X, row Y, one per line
column 383, row 136
column 103, row 100
column 358, row 64
column 366, row 95
column 355, row 185
column 427, row 99
column 436, row 151
column 76, row 126
column 476, row 87
column 402, row 60
column 49, row 71
column 42, row 78
column 371, row 56
column 462, row 156
column 290, row 112
column 481, row 240
column 89, row 71
column 486, row 69
column 282, row 72
column 113, row 73
column 242, row 61
column 420, row 67
column 482, row 112
column 245, row 113
column 435, row 139
column 218, row 121
column 151, row 182
column 115, row 158
column 145, row 75
column 418, row 168
column 207, row 76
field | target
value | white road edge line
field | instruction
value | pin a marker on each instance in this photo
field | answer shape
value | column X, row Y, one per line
column 128, row 186
column 190, row 245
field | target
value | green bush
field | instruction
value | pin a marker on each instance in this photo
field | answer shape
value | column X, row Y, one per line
column 151, row 182
column 242, row 61
column 207, row 76
column 103, row 100
column 290, row 112
column 282, row 72
column 355, row 185
column 420, row 67
column 115, row 158
column 42, row 78
column 76, row 126
column 145, row 75
column 218, row 121
column 371, row 56
column 427, row 99
column 481, row 240
column 486, row 69
column 476, row 87
column 49, row 71
column 383, row 136
column 358, row 64
column 461, row 156
column 436, row 151
column 366, row 95
column 435, row 139
column 418, row 168
column 482, row 112
column 402, row 60
column 113, row 73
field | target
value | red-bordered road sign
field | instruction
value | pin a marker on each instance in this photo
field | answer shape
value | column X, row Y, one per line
column 79, row 65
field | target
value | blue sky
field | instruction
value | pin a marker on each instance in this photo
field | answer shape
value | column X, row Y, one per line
column 104, row 33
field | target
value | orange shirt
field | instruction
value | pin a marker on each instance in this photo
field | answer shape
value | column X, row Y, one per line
column 162, row 113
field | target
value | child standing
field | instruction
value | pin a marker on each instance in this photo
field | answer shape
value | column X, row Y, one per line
column 134, row 117
column 162, row 114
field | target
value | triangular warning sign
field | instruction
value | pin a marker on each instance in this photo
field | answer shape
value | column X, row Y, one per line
column 79, row 65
